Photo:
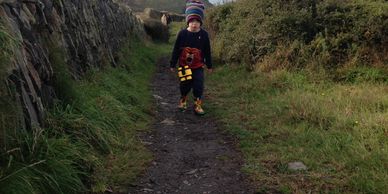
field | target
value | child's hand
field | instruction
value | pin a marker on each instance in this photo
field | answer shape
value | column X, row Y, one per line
column 210, row 70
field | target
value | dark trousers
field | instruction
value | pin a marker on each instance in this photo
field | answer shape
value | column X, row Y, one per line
column 197, row 84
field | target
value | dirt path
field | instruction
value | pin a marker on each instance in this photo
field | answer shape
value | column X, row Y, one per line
column 191, row 153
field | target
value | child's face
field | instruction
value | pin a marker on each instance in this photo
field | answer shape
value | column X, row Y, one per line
column 194, row 25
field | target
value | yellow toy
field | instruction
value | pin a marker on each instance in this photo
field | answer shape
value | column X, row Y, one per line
column 184, row 73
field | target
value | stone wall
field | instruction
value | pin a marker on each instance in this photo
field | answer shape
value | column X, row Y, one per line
column 87, row 33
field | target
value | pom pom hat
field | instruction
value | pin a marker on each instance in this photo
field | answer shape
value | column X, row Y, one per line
column 194, row 10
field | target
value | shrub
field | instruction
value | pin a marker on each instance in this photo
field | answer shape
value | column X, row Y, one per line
column 330, row 34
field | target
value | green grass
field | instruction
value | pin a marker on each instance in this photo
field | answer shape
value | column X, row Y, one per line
column 174, row 29
column 339, row 130
column 7, row 43
column 41, row 164
column 90, row 141
column 8, row 113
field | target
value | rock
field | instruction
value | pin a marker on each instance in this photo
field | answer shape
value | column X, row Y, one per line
column 168, row 122
column 7, row 1
column 78, row 35
column 296, row 166
column 177, row 17
column 165, row 19
column 146, row 143
column 174, row 17
column 192, row 171
column 153, row 25
column 152, row 13
column 156, row 29
column 148, row 190
column 157, row 97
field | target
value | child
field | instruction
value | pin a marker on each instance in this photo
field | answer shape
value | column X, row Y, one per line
column 192, row 48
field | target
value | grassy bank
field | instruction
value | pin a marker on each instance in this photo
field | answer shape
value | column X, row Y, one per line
column 339, row 130
column 90, row 139
column 316, row 91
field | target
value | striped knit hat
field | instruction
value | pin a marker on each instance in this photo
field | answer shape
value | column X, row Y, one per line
column 194, row 10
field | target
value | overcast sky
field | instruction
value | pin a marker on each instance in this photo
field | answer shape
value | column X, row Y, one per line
column 215, row 1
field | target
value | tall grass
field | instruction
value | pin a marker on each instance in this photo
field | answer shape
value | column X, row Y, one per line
column 39, row 163
column 338, row 130
column 7, row 44
column 8, row 112
column 89, row 142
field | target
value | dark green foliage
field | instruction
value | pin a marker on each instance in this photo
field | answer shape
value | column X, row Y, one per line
column 291, row 34
column 63, row 83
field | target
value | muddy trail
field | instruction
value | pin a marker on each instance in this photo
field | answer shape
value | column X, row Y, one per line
column 191, row 153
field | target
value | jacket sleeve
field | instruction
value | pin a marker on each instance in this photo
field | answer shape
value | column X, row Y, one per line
column 207, row 52
column 176, row 50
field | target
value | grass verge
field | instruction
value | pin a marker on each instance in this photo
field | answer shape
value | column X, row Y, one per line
column 338, row 130
column 90, row 141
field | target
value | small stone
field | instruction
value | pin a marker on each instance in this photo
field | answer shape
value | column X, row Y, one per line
column 186, row 182
column 147, row 143
column 157, row 97
column 168, row 122
column 147, row 190
column 164, row 103
column 297, row 166
column 192, row 171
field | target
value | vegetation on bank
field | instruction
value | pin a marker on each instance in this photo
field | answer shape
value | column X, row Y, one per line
column 329, row 35
column 89, row 142
column 339, row 131
column 305, row 82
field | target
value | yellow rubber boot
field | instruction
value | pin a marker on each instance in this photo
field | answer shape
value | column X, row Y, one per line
column 198, row 107
column 183, row 103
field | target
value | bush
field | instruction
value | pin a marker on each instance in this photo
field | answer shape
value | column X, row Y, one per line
column 330, row 34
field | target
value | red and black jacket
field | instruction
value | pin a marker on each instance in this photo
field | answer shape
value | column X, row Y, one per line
column 192, row 49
